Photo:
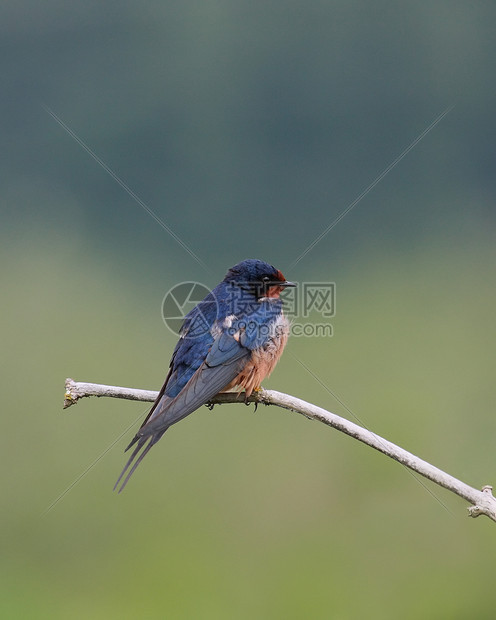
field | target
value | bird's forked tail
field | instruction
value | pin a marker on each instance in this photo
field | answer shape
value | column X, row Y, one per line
column 144, row 442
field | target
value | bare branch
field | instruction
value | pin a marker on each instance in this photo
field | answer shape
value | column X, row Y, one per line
column 482, row 502
column 75, row 390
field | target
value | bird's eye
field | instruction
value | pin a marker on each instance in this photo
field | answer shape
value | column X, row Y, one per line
column 266, row 279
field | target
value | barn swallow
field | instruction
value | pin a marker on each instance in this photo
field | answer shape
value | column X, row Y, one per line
column 231, row 340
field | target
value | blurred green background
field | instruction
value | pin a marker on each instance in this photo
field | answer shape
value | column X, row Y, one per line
column 248, row 127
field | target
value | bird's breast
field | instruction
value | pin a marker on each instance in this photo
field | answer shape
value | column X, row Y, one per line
column 264, row 358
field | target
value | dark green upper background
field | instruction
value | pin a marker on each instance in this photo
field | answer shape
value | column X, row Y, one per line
column 247, row 127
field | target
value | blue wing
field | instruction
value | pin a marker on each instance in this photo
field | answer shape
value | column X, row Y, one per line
column 189, row 353
column 221, row 365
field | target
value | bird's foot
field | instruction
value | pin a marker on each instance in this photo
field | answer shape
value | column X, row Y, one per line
column 256, row 390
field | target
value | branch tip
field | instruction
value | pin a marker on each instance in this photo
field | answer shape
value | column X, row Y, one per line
column 71, row 395
column 486, row 505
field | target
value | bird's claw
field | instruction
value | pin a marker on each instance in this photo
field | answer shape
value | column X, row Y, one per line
column 255, row 390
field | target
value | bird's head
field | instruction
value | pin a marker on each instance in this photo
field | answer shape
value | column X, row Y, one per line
column 257, row 277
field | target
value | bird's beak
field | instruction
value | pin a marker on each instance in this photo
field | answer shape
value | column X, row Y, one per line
column 286, row 283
